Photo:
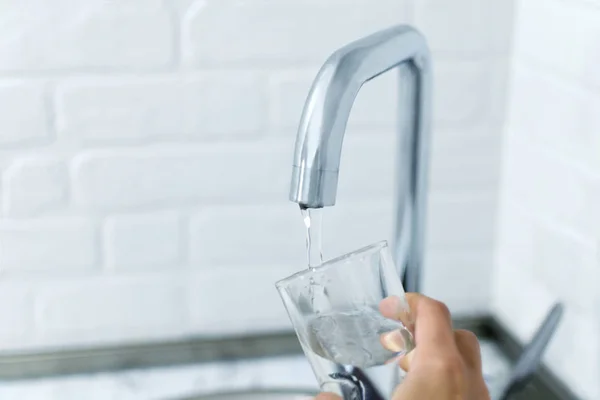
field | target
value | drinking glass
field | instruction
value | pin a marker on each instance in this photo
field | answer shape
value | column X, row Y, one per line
column 351, row 317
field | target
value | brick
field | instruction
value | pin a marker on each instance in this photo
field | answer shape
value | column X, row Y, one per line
column 136, row 110
column 462, row 95
column 96, row 310
column 346, row 226
column 499, row 75
column 514, row 241
column 16, row 313
column 287, row 95
column 464, row 219
column 548, row 185
column 94, row 35
column 144, row 241
column 560, row 36
column 556, row 114
column 539, row 280
column 463, row 27
column 35, row 186
column 350, row 224
column 230, row 236
column 23, row 120
column 131, row 4
column 576, row 349
column 217, row 173
column 520, row 300
column 501, row 36
column 264, row 32
column 50, row 245
column 213, row 306
column 466, row 158
column 364, row 157
column 595, row 214
column 553, row 250
column 181, row 6
column 473, row 266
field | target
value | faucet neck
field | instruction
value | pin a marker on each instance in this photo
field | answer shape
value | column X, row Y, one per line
column 323, row 125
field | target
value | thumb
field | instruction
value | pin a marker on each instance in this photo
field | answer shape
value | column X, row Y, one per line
column 416, row 386
column 406, row 361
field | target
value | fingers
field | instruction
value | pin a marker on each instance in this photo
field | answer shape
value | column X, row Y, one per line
column 393, row 341
column 434, row 335
column 406, row 361
column 468, row 345
column 393, row 307
column 448, row 357
column 432, row 318
column 433, row 325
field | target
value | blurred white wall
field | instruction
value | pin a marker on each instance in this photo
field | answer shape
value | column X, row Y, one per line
column 145, row 154
column 549, row 221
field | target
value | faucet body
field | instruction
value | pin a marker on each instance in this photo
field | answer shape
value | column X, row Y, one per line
column 323, row 124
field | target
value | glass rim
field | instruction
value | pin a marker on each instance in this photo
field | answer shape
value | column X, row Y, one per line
column 372, row 248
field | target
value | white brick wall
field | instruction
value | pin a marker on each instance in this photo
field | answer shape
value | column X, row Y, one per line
column 549, row 224
column 16, row 314
column 123, row 308
column 24, row 122
column 52, row 245
column 34, row 186
column 265, row 33
column 144, row 145
column 136, row 110
column 98, row 35
column 144, row 241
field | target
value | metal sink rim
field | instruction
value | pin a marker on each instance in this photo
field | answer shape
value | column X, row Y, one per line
column 78, row 361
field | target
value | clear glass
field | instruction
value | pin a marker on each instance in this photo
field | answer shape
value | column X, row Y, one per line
column 350, row 314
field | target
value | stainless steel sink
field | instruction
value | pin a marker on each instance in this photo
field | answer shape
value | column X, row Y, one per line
column 499, row 351
column 258, row 395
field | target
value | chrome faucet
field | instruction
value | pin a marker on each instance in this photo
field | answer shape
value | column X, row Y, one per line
column 317, row 161
column 323, row 124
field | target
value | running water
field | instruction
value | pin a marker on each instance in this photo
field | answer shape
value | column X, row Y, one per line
column 313, row 218
column 336, row 336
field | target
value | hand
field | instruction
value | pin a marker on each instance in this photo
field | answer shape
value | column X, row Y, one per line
column 445, row 364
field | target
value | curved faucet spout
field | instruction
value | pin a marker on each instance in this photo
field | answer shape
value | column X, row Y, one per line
column 323, row 124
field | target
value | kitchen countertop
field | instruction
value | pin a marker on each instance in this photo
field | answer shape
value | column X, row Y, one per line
column 179, row 381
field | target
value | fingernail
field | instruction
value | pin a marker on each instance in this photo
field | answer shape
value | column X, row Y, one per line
column 393, row 341
column 406, row 361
